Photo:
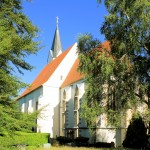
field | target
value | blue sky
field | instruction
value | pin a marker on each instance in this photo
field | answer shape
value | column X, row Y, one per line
column 75, row 17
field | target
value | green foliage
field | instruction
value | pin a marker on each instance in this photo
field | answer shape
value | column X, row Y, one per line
column 119, row 79
column 12, row 119
column 86, row 43
column 136, row 136
column 30, row 139
column 98, row 68
column 127, row 28
column 18, row 39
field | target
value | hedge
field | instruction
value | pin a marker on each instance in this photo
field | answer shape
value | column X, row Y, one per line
column 30, row 139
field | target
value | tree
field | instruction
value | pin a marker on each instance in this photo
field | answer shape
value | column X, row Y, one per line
column 127, row 70
column 17, row 41
column 97, row 65
column 127, row 27
column 136, row 136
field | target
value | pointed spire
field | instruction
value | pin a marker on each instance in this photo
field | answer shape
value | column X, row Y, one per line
column 57, row 21
column 56, row 48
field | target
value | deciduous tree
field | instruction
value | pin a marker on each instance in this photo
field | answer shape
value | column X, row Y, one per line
column 126, row 72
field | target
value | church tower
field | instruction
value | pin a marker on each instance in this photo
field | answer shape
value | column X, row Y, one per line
column 56, row 48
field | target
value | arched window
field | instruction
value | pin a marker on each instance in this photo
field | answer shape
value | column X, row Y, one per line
column 76, row 111
column 64, row 111
column 64, row 101
column 76, row 99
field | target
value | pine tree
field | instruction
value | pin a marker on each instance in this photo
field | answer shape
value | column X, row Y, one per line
column 17, row 41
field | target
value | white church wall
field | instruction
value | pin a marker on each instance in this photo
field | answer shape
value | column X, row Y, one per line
column 51, row 94
column 49, row 121
column 106, row 135
column 28, row 102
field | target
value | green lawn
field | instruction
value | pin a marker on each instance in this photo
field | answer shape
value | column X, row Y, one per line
column 59, row 148
column 65, row 148
column 69, row 148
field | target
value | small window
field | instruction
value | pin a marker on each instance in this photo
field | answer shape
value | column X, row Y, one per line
column 36, row 105
column 61, row 77
column 30, row 103
column 64, row 94
column 23, row 107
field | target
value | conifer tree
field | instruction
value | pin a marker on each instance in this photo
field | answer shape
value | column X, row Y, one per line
column 17, row 41
column 136, row 136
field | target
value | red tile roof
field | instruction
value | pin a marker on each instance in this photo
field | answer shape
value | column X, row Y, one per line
column 46, row 73
column 106, row 45
column 74, row 75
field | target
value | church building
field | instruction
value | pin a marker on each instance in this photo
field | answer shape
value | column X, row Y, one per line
column 59, row 89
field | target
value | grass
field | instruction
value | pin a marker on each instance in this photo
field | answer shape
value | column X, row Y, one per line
column 59, row 148
column 67, row 148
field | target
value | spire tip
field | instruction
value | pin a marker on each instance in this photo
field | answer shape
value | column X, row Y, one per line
column 57, row 20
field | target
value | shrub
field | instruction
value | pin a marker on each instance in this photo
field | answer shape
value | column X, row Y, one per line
column 54, row 142
column 63, row 140
column 81, row 141
column 30, row 139
column 104, row 144
column 136, row 136
column 148, row 142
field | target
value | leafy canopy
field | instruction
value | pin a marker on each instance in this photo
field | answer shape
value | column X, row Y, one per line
column 119, row 79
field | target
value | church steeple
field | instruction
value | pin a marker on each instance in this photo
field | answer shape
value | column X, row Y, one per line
column 56, row 48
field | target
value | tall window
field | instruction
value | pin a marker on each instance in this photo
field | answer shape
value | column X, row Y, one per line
column 30, row 108
column 76, row 99
column 76, row 110
column 23, row 107
column 36, row 120
column 64, row 111
column 36, row 105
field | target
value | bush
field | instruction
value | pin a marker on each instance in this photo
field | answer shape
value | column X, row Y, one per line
column 81, row 141
column 54, row 142
column 104, row 145
column 63, row 140
column 148, row 142
column 136, row 136
column 30, row 139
